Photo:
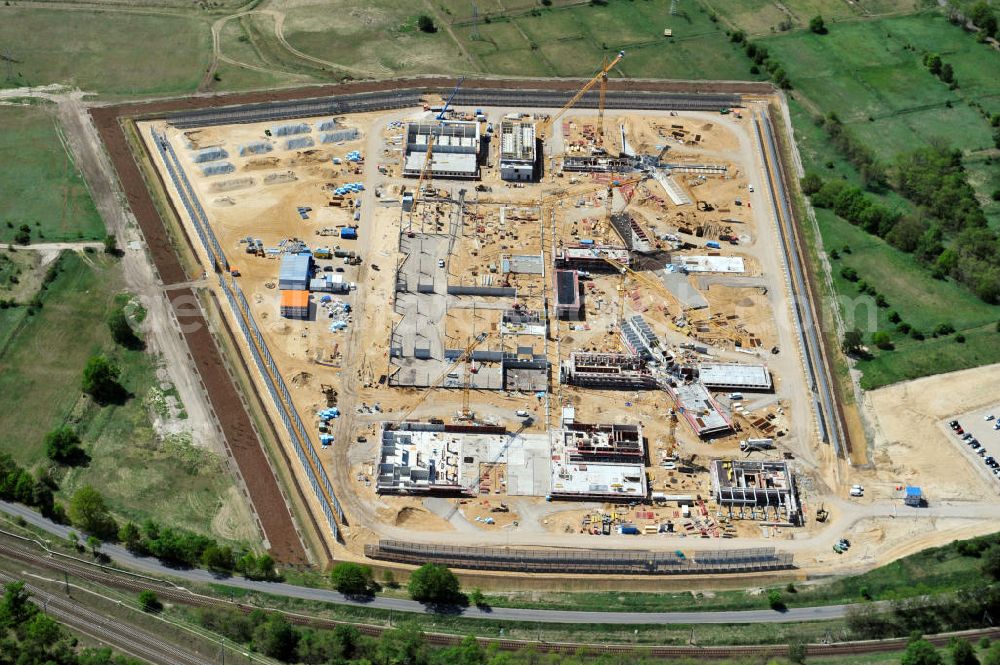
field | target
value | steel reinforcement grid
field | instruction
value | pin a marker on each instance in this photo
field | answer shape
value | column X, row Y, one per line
column 191, row 202
column 633, row 562
column 264, row 362
column 264, row 111
column 802, row 304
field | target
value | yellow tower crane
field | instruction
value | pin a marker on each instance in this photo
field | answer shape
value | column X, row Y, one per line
column 444, row 375
column 546, row 126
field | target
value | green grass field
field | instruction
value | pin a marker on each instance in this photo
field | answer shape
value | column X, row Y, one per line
column 573, row 41
column 41, row 186
column 140, row 474
column 870, row 73
column 114, row 53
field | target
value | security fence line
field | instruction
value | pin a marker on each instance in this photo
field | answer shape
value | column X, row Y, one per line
column 635, row 562
column 191, row 202
column 283, row 400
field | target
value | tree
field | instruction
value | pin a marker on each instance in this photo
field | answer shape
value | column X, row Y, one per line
column 991, row 563
column 797, row 652
column 933, row 62
column 477, row 598
column 63, row 445
column 111, row 244
column 23, row 235
column 426, row 24
column 431, row 583
column 405, row 644
column 121, row 330
column 947, row 73
column 88, row 511
column 921, row 652
column 962, row 653
column 389, row 579
column 94, row 543
column 882, row 340
column 276, row 638
column 352, row 579
column 817, row 25
column 130, row 536
column 148, row 602
column 218, row 559
column 100, row 380
column 853, row 341
column 983, row 17
column 811, row 183
column 775, row 601
column 992, row 657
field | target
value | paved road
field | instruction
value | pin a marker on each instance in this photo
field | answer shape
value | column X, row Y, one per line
column 152, row 567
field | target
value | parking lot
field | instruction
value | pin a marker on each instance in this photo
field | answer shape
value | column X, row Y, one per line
column 977, row 434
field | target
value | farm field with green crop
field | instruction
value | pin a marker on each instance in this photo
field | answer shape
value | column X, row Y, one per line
column 41, row 187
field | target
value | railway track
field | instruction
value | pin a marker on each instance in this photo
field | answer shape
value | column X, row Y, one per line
column 131, row 582
column 127, row 638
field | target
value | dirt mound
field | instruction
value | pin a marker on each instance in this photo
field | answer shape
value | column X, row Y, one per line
column 409, row 514
column 301, row 379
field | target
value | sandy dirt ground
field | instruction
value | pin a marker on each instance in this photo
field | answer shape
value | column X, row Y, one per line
column 323, row 366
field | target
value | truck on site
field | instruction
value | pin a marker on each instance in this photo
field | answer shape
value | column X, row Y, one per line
column 748, row 445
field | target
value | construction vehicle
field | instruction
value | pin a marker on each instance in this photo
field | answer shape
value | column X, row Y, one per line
column 751, row 445
column 330, row 394
column 444, row 109
column 546, row 125
column 822, row 514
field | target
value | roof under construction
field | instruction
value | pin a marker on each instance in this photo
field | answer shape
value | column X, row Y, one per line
column 517, row 141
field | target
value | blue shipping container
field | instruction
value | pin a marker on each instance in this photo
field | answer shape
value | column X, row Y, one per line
column 713, row 244
column 348, row 233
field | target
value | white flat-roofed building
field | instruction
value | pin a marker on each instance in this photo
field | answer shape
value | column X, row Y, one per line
column 455, row 151
column 735, row 376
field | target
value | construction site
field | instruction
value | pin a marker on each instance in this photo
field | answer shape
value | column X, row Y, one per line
column 525, row 326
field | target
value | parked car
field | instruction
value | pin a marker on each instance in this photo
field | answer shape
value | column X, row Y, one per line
column 967, row 436
column 988, row 417
column 953, row 424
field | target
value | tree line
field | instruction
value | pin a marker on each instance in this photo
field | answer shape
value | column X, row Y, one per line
column 948, row 233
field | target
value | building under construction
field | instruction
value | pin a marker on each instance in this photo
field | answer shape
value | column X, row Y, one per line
column 454, row 147
column 618, row 444
column 568, row 302
column 632, row 233
column 641, row 341
column 753, row 489
column 700, row 410
column 518, row 153
column 609, row 371
column 597, row 164
column 735, row 376
column 592, row 258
